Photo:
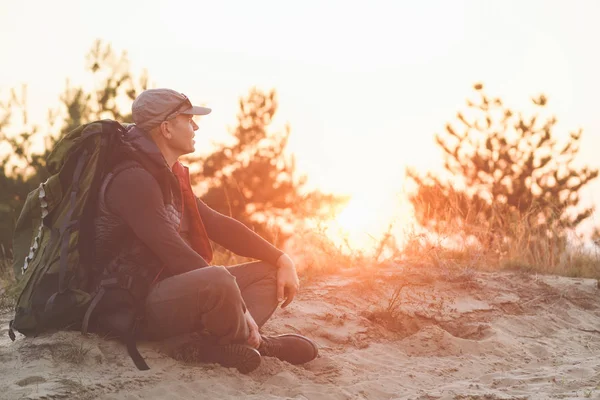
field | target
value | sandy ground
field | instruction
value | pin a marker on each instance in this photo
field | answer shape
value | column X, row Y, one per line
column 390, row 333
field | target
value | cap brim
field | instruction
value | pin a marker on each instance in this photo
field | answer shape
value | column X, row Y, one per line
column 197, row 110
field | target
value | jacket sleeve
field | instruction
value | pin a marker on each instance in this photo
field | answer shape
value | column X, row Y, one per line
column 135, row 196
column 235, row 236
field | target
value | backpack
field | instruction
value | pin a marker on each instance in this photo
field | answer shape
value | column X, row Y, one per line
column 53, row 245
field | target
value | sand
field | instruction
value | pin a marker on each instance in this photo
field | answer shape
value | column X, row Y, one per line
column 385, row 333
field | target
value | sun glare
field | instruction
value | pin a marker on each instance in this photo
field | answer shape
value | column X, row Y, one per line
column 363, row 222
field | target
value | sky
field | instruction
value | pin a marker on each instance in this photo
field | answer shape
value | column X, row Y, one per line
column 363, row 85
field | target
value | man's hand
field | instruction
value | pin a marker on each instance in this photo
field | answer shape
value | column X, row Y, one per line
column 287, row 280
column 254, row 335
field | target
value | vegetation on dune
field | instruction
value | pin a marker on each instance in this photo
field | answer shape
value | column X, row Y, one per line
column 253, row 180
column 510, row 196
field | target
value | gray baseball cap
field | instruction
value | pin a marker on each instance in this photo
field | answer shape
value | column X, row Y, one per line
column 154, row 106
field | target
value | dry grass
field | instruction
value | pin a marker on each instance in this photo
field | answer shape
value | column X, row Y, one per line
column 408, row 291
column 456, row 250
column 515, row 242
column 8, row 290
column 315, row 254
column 73, row 354
column 455, row 255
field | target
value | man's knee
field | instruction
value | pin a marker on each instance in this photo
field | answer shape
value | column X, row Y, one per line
column 269, row 271
column 253, row 271
column 221, row 281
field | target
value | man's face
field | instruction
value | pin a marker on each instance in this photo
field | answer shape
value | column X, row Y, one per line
column 182, row 134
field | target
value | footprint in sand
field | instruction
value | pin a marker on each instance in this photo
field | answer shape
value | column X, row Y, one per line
column 30, row 380
column 284, row 379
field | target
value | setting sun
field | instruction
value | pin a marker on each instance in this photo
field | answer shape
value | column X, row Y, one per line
column 361, row 224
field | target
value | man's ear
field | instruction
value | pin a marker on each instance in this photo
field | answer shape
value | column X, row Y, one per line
column 165, row 130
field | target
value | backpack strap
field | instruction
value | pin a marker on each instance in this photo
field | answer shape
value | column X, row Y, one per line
column 66, row 228
column 126, row 282
column 11, row 332
column 132, row 350
column 92, row 306
column 68, row 225
column 119, row 324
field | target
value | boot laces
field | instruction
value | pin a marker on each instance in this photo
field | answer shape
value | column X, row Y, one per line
column 271, row 347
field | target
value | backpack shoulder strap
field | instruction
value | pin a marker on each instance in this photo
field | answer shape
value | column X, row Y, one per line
column 75, row 142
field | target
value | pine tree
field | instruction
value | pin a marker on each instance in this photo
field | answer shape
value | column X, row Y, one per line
column 22, row 168
column 505, row 170
column 253, row 180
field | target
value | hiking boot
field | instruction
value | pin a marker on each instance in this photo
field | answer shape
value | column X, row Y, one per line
column 294, row 349
column 243, row 357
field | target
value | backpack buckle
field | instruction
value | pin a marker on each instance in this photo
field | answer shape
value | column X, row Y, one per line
column 122, row 281
column 128, row 282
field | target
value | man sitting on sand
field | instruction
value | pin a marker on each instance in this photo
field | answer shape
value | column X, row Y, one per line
column 162, row 229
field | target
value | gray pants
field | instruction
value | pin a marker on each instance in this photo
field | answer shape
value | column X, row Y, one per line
column 214, row 299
